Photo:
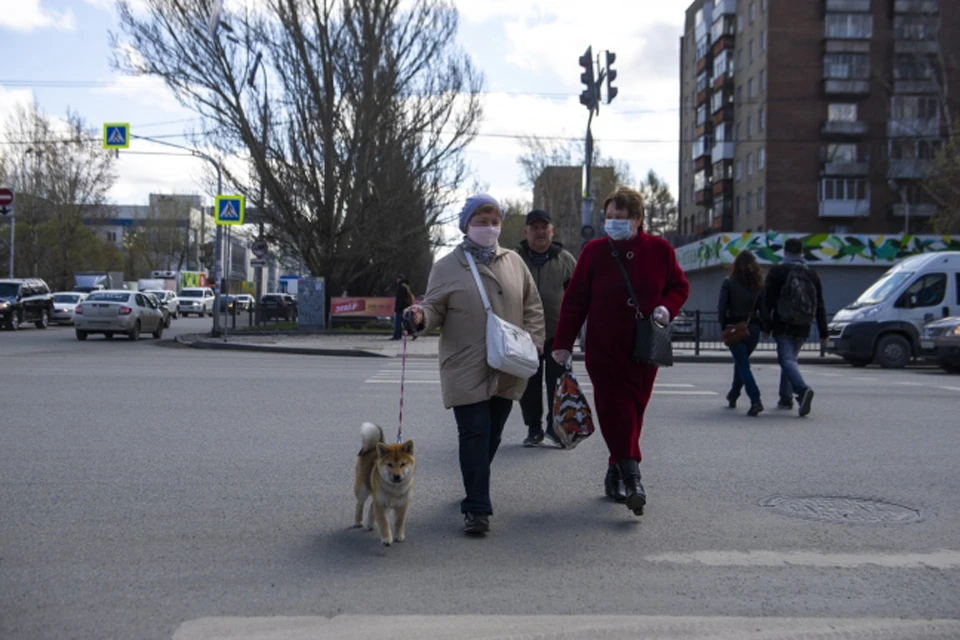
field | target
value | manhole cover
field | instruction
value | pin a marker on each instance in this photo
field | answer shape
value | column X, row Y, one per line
column 842, row 510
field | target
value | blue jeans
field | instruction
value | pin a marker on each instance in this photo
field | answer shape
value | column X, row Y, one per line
column 480, row 426
column 397, row 319
column 791, row 382
column 742, row 375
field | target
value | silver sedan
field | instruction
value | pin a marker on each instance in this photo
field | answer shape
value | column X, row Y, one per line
column 114, row 311
column 64, row 304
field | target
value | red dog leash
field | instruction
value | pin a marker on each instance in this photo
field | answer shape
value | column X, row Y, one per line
column 403, row 375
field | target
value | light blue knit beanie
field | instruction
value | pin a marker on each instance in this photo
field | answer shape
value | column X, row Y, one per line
column 475, row 202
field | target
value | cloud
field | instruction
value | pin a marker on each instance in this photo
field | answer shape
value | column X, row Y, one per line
column 11, row 100
column 27, row 15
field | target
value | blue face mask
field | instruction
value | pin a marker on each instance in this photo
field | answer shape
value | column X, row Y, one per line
column 617, row 229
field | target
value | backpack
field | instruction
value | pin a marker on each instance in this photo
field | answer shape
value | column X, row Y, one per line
column 797, row 305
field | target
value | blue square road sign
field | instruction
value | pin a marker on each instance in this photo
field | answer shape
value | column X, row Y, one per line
column 116, row 135
column 229, row 209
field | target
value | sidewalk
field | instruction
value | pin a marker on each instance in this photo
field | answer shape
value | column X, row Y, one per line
column 379, row 346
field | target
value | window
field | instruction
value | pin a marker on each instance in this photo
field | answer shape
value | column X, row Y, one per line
column 843, row 189
column 849, row 25
column 737, row 137
column 914, row 108
column 842, row 112
column 702, row 81
column 739, row 59
column 701, row 115
column 112, row 236
column 763, row 5
column 927, row 291
column 721, row 27
column 750, row 50
column 723, row 63
column 739, row 170
column 914, row 149
column 914, row 67
column 841, row 153
column 716, row 102
column 749, row 127
column 703, row 47
column 739, row 24
column 846, row 66
column 763, row 40
column 749, row 164
column 750, row 93
column 763, row 80
column 760, row 119
column 721, row 133
column 749, row 203
column 914, row 28
column 740, row 95
column 761, row 159
column 699, row 181
column 738, row 207
column 753, row 12
column 760, row 199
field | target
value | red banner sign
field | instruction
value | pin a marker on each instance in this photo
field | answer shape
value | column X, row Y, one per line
column 361, row 306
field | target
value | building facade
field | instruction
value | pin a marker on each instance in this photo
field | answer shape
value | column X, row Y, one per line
column 820, row 116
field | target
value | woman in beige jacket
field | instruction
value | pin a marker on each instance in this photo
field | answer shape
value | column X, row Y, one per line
column 481, row 397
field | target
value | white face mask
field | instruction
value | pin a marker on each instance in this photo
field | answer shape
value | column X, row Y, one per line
column 484, row 236
column 617, row 229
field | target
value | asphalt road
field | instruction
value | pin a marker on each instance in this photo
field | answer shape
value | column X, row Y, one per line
column 150, row 492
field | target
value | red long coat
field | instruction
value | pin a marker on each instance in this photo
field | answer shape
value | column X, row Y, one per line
column 597, row 293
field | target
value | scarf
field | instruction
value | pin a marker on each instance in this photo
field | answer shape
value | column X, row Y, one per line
column 483, row 255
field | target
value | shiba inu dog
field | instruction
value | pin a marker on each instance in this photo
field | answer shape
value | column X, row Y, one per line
column 385, row 473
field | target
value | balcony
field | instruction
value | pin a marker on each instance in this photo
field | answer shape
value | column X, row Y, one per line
column 913, row 128
column 840, row 168
column 915, row 86
column 909, row 169
column 929, row 7
column 701, row 148
column 846, row 46
column 722, row 151
column 833, row 87
column 917, row 47
column 844, row 208
column 848, row 6
column 843, row 129
column 921, row 210
column 703, row 197
column 724, row 8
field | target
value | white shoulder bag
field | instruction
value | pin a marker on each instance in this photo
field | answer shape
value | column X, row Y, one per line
column 509, row 348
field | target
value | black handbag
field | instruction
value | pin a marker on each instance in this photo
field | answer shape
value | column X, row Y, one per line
column 651, row 341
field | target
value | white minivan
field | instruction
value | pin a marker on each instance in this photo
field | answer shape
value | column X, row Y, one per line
column 884, row 325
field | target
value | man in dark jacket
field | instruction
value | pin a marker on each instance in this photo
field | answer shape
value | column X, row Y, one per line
column 793, row 299
column 551, row 266
column 404, row 299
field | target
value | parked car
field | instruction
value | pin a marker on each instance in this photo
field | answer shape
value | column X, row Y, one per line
column 197, row 300
column 64, row 304
column 245, row 302
column 115, row 311
column 941, row 343
column 164, row 311
column 280, row 306
column 169, row 300
column 25, row 300
column 683, row 326
column 884, row 324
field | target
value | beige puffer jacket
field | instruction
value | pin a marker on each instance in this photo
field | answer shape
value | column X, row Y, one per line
column 453, row 303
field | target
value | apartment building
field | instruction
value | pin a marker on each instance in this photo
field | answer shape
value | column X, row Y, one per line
column 813, row 116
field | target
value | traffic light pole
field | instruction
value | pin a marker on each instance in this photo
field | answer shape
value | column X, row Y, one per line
column 586, row 203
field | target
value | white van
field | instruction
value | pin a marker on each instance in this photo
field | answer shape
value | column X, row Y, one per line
column 884, row 325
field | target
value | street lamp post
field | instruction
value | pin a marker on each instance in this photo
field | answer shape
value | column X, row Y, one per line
column 258, row 270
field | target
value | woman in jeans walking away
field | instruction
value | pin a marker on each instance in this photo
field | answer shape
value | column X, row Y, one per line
column 740, row 302
column 481, row 397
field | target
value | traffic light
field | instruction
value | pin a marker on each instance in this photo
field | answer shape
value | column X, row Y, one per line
column 611, row 76
column 588, row 97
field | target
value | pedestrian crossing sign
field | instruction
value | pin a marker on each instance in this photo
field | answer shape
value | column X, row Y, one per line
column 116, row 135
column 229, row 209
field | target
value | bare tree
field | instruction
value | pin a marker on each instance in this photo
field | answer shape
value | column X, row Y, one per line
column 360, row 149
column 162, row 238
column 514, row 220
column 61, row 176
column 660, row 205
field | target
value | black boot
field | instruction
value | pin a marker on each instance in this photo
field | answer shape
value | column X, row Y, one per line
column 613, row 485
column 636, row 496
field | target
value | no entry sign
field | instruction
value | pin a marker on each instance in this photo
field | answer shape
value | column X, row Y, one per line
column 6, row 201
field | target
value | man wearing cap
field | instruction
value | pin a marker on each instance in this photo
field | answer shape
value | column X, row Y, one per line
column 551, row 266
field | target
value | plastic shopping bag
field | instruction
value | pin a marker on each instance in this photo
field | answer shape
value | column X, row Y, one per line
column 572, row 417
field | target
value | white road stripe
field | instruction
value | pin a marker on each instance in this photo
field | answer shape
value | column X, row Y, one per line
column 942, row 559
column 910, row 384
column 868, row 379
column 950, row 388
column 832, row 375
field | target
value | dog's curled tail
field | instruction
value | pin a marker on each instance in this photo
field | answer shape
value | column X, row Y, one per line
column 370, row 435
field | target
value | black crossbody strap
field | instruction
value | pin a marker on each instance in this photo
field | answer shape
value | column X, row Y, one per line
column 626, row 278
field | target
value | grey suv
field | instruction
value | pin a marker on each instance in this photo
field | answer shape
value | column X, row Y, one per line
column 25, row 300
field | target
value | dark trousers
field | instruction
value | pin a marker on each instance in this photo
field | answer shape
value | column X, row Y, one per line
column 742, row 375
column 480, row 426
column 531, row 404
column 397, row 320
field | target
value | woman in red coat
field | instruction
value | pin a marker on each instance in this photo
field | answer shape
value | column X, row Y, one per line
column 597, row 292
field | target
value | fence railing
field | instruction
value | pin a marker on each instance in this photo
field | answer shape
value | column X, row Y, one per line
column 701, row 331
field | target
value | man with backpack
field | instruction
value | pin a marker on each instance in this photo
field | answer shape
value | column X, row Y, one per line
column 792, row 302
